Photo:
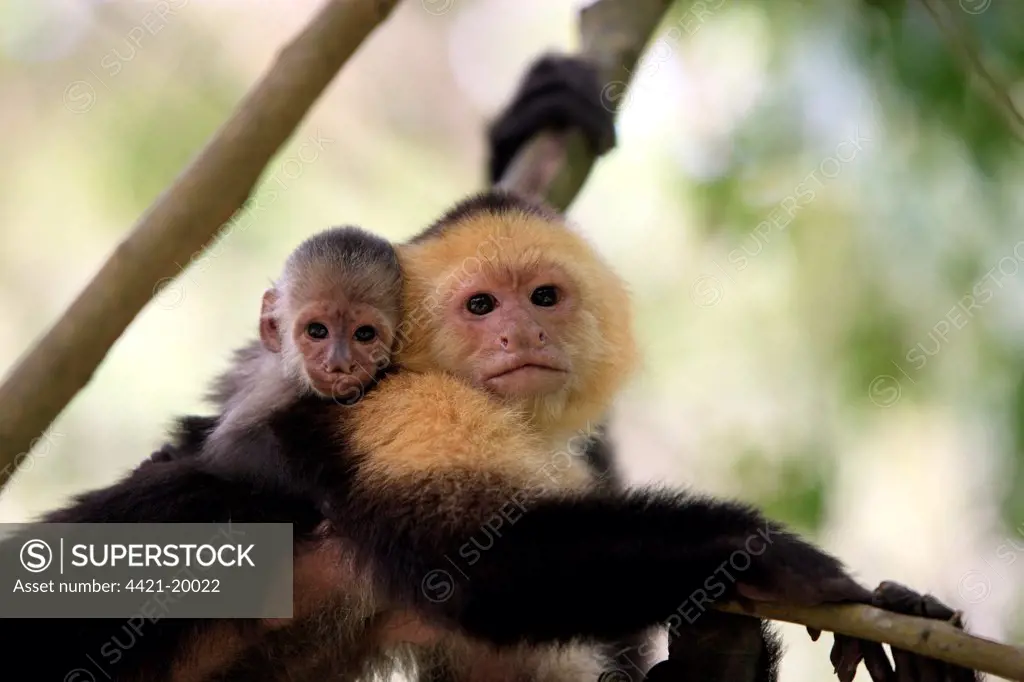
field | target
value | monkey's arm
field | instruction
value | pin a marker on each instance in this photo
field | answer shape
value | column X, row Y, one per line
column 557, row 92
column 604, row 566
column 600, row 566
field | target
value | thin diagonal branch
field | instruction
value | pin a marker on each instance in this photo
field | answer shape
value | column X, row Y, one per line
column 965, row 49
column 182, row 222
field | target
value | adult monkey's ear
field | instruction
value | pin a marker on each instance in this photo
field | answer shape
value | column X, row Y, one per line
column 557, row 93
column 270, row 332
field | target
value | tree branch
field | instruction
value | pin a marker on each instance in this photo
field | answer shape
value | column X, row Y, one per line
column 932, row 638
column 181, row 223
column 964, row 49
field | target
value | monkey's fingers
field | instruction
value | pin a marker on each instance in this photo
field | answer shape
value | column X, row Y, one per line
column 913, row 668
column 893, row 596
column 848, row 652
column 910, row 667
column 846, row 655
column 877, row 663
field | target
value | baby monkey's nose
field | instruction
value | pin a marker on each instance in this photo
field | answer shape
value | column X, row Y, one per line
column 340, row 360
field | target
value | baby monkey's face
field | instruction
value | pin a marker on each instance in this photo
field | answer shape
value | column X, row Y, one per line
column 343, row 345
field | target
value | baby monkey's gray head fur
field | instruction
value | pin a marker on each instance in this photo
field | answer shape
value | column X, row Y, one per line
column 335, row 310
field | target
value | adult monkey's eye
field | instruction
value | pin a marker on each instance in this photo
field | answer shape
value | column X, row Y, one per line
column 480, row 304
column 365, row 334
column 545, row 296
column 316, row 330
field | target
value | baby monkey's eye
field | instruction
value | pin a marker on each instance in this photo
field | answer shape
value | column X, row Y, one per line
column 316, row 330
column 545, row 296
column 365, row 334
column 480, row 304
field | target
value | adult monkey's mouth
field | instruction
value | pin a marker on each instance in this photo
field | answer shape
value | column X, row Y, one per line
column 527, row 376
column 526, row 366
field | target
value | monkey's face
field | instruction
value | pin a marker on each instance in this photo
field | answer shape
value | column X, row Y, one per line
column 523, row 308
column 512, row 326
column 341, row 346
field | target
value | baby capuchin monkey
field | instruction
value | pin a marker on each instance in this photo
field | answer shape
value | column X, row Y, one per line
column 326, row 329
column 326, row 326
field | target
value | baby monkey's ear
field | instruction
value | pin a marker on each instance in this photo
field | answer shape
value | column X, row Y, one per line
column 270, row 333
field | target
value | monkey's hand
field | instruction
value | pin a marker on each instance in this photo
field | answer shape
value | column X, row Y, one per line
column 676, row 553
column 848, row 652
column 557, row 93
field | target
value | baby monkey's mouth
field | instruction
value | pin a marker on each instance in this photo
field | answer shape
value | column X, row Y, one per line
column 344, row 389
